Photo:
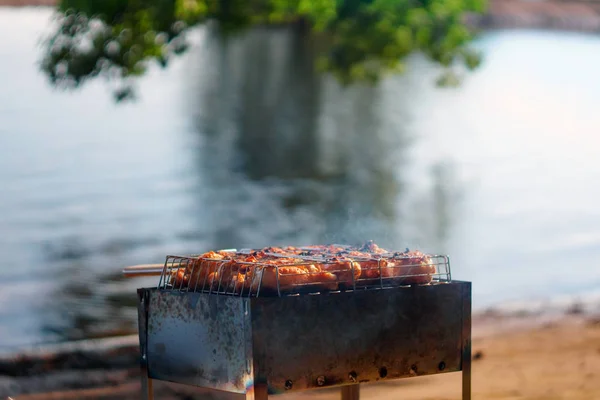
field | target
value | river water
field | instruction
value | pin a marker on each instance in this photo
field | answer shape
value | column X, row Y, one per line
column 244, row 146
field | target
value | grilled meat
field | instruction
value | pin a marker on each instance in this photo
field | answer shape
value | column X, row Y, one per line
column 313, row 268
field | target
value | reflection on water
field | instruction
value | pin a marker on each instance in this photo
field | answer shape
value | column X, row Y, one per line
column 208, row 158
column 291, row 161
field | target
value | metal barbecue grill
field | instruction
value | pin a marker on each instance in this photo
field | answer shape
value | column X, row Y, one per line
column 243, row 336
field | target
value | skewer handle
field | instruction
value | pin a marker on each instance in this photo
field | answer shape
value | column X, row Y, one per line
column 143, row 270
column 150, row 269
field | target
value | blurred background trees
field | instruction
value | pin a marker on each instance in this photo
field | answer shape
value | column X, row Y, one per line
column 354, row 40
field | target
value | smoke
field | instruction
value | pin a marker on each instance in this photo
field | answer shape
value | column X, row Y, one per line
column 290, row 157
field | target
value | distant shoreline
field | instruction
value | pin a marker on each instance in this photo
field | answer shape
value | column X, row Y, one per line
column 559, row 15
column 28, row 3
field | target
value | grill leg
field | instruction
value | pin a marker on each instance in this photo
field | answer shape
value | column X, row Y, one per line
column 466, row 375
column 351, row 392
column 147, row 392
column 257, row 392
column 466, row 350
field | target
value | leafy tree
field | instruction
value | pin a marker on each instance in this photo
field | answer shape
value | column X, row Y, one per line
column 358, row 39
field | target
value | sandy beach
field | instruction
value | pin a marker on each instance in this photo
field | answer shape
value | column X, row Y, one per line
column 518, row 357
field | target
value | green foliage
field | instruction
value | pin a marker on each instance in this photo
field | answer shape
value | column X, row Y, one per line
column 112, row 37
column 360, row 39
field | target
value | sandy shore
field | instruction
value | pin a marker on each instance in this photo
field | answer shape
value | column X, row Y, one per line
column 515, row 357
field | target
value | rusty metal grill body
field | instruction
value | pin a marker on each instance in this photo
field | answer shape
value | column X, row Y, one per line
column 261, row 346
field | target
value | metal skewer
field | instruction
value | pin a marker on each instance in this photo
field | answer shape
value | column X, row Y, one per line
column 150, row 269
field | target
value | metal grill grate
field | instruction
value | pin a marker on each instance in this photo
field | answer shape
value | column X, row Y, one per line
column 304, row 270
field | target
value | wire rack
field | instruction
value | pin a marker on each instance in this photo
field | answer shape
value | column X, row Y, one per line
column 305, row 270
